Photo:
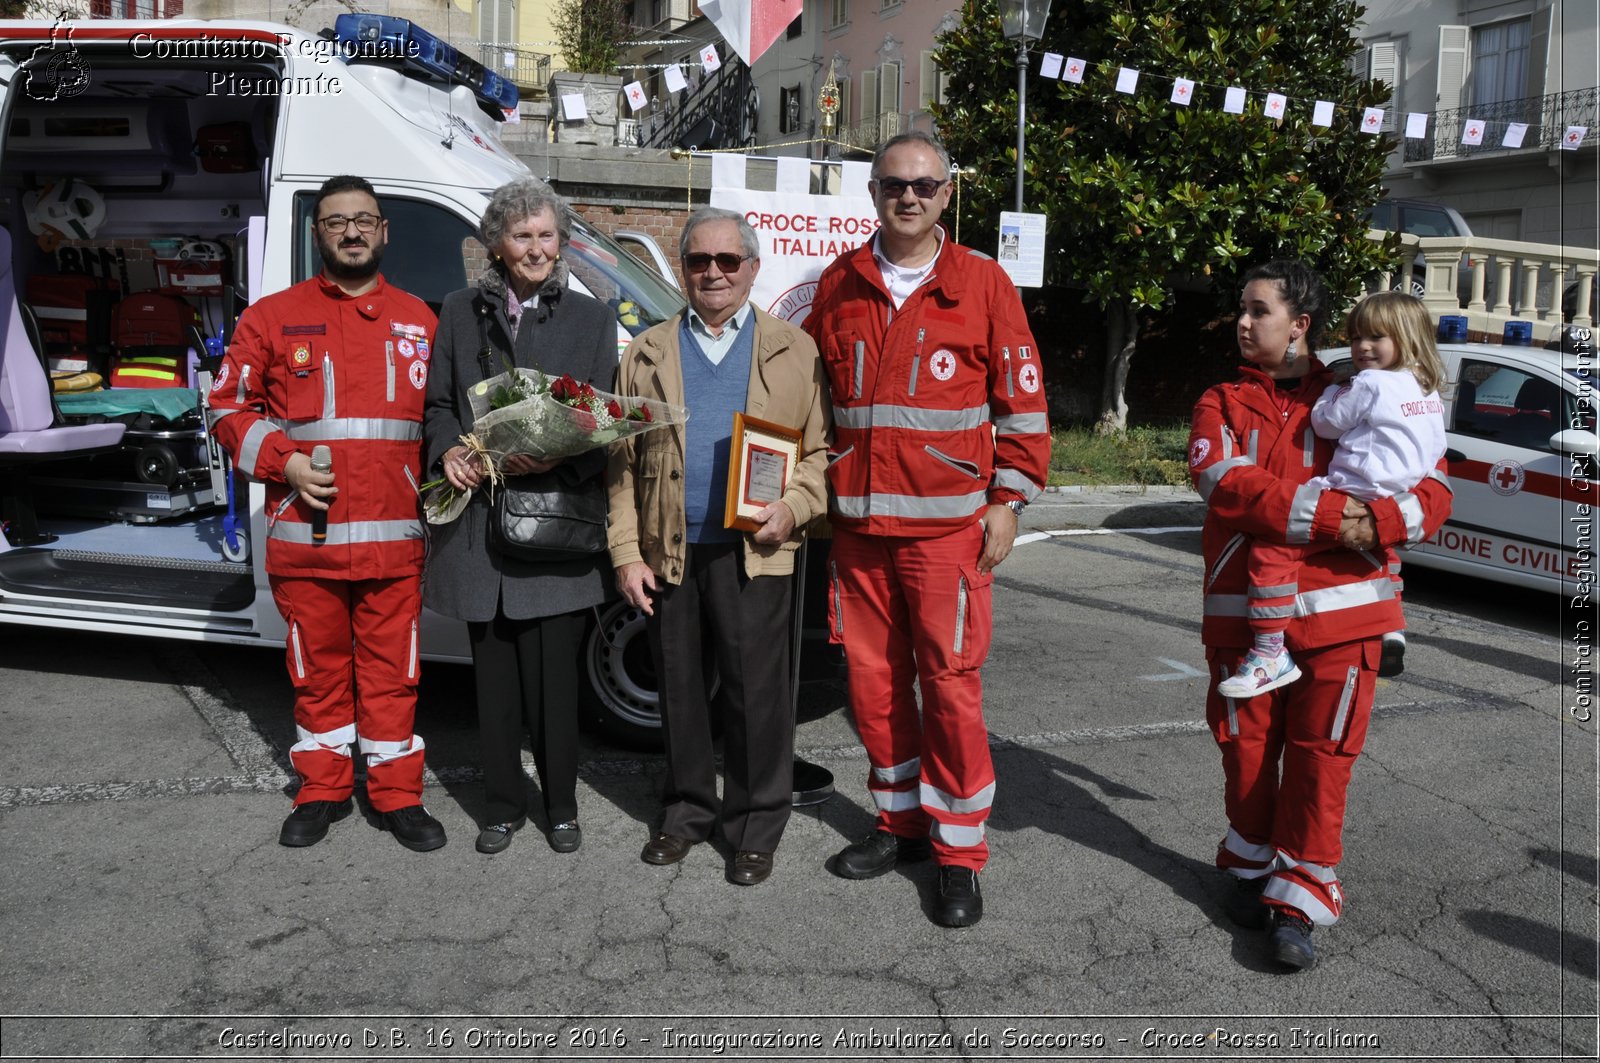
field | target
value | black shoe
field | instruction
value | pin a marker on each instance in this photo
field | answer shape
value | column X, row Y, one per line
column 664, row 848
column 750, row 868
column 413, row 828
column 308, row 823
column 1291, row 940
column 566, row 837
column 1393, row 659
column 878, row 853
column 1244, row 905
column 960, row 899
column 496, row 837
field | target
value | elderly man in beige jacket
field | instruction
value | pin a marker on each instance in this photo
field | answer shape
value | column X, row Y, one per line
column 705, row 586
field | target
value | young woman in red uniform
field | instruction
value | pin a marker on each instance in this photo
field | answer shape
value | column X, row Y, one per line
column 1287, row 754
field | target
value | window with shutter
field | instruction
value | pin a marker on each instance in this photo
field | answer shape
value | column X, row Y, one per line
column 1383, row 64
column 869, row 95
column 927, row 82
column 1454, row 63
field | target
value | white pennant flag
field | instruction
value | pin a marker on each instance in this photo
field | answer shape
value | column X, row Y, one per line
column 1277, row 103
column 676, row 82
column 1372, row 120
column 750, row 26
column 1416, row 125
column 1573, row 138
column 1050, row 65
column 1127, row 80
column 1233, row 101
column 635, row 93
column 709, row 59
column 1073, row 71
column 1472, row 132
column 1322, row 113
column 1514, row 134
column 1182, row 91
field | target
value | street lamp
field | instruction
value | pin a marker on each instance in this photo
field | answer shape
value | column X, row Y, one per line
column 1022, row 21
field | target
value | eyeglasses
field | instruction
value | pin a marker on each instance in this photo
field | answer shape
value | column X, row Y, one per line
column 727, row 261
column 895, row 187
column 338, row 223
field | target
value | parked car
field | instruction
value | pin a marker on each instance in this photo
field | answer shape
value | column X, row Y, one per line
column 1418, row 217
column 1521, row 453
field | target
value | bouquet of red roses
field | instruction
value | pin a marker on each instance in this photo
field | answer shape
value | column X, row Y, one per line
column 522, row 411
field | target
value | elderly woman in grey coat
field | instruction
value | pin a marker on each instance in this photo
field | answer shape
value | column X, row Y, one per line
column 525, row 620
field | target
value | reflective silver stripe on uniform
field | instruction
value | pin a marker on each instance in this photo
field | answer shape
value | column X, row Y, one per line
column 1321, row 872
column 1346, row 696
column 1271, row 612
column 955, row 835
column 1302, row 511
column 1281, row 590
column 911, row 417
column 336, row 741
column 1224, row 605
column 1229, row 548
column 1233, row 719
column 329, row 409
column 906, row 769
column 1011, row 390
column 838, row 603
column 860, row 507
column 388, row 350
column 411, row 648
column 240, row 389
column 933, row 797
column 861, row 367
column 299, row 655
column 1255, row 439
column 1349, row 596
column 213, row 415
column 1016, row 481
column 361, row 531
column 961, row 616
column 895, row 800
column 1411, row 511
column 1227, row 443
column 1435, row 474
column 1256, row 854
column 1297, row 896
column 389, row 429
column 1021, row 424
column 1309, row 454
column 1207, row 481
column 378, row 752
column 250, row 447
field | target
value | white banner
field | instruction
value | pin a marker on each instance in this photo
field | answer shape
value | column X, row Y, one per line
column 800, row 235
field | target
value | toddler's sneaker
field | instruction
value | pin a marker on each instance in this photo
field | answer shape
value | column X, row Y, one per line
column 1258, row 674
column 1393, row 661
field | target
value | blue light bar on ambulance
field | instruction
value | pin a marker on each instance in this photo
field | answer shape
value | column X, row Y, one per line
column 386, row 38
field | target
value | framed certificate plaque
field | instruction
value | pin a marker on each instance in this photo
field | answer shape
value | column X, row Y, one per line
column 761, row 459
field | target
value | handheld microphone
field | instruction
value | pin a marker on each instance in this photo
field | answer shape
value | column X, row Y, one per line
column 321, row 461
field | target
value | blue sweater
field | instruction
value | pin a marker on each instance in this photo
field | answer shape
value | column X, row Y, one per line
column 713, row 393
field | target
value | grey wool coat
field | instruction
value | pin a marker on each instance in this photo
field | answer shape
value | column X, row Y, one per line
column 568, row 332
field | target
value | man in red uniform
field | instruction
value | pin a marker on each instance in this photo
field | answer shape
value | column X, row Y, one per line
column 341, row 361
column 941, row 437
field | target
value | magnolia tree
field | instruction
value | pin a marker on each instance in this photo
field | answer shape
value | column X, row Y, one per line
column 1144, row 196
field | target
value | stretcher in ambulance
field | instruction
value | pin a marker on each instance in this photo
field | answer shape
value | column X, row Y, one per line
column 217, row 134
column 1521, row 455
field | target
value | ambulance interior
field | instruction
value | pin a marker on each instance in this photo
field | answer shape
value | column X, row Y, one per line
column 139, row 191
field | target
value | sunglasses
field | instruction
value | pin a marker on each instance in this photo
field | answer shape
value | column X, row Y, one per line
column 895, row 187
column 727, row 261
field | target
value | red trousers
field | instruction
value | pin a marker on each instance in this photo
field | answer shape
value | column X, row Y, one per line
column 1274, row 570
column 915, row 614
column 353, row 663
column 1286, row 758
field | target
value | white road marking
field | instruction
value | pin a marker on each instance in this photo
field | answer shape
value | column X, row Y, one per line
column 1182, row 671
column 1057, row 533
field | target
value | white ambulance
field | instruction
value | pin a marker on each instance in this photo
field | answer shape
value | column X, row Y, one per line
column 125, row 141
column 1522, row 454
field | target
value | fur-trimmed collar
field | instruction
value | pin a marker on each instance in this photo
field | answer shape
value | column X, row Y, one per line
column 493, row 284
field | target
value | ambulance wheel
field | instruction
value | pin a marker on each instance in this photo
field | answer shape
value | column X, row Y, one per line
column 156, row 464
column 237, row 554
column 622, row 695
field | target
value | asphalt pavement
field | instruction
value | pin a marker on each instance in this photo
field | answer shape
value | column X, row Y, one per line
column 148, row 911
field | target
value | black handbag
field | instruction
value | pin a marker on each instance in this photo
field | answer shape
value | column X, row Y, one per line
column 545, row 516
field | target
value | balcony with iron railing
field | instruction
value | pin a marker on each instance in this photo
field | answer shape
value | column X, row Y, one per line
column 1547, row 119
column 529, row 70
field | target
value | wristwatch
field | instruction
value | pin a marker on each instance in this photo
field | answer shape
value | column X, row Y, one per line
column 1016, row 506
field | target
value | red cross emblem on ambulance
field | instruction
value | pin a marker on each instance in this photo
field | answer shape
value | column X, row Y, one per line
column 1506, row 477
